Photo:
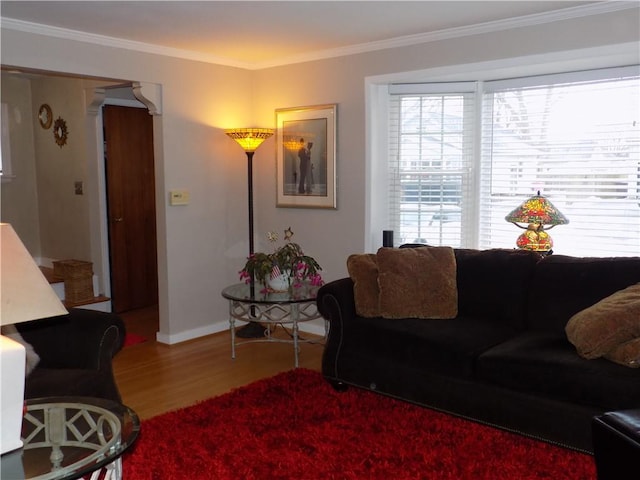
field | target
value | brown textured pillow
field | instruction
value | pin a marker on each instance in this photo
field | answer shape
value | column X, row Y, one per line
column 363, row 270
column 614, row 320
column 627, row 354
column 417, row 282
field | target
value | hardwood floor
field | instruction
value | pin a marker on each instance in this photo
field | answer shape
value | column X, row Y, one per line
column 155, row 378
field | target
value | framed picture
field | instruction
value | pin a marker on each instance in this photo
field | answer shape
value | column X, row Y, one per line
column 306, row 157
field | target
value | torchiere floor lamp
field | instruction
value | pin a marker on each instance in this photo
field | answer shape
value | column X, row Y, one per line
column 250, row 139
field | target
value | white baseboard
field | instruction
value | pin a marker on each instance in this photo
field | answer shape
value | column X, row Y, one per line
column 193, row 333
column 315, row 327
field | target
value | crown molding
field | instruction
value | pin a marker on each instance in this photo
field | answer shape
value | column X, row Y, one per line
column 458, row 32
column 103, row 40
column 409, row 40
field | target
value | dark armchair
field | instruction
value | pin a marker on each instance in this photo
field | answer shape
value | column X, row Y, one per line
column 76, row 352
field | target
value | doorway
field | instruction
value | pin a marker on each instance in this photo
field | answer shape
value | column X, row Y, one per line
column 131, row 211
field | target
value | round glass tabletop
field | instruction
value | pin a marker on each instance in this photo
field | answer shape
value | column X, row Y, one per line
column 66, row 438
column 241, row 292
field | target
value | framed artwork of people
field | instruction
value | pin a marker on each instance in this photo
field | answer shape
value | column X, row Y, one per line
column 306, row 156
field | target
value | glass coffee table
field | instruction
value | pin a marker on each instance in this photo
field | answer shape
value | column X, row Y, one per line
column 67, row 438
column 271, row 309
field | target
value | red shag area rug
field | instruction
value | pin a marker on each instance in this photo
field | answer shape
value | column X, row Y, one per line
column 295, row 426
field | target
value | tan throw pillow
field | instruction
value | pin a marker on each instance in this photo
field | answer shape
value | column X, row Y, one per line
column 363, row 270
column 627, row 354
column 614, row 320
column 417, row 282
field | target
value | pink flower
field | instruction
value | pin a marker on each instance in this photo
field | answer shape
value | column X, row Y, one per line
column 244, row 275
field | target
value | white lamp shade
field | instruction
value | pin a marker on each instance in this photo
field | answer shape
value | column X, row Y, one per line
column 25, row 294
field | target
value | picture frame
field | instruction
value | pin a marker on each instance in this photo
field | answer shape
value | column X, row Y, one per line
column 306, row 157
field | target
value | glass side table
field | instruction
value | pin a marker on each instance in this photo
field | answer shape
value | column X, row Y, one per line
column 66, row 438
column 271, row 309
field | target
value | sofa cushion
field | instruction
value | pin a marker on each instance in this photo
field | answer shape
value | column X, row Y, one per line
column 607, row 324
column 417, row 282
column 563, row 286
column 363, row 270
column 627, row 354
column 545, row 363
column 445, row 347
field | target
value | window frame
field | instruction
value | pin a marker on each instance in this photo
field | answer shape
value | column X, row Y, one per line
column 6, row 170
column 376, row 98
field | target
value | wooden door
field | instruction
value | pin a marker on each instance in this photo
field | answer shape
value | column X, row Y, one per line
column 129, row 167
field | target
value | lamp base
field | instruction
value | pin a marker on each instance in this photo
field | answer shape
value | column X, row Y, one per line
column 251, row 330
column 535, row 238
column 12, row 368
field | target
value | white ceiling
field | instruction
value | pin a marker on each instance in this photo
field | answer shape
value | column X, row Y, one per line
column 256, row 34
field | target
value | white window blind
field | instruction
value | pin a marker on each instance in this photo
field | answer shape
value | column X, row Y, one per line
column 576, row 139
column 431, row 144
column 462, row 156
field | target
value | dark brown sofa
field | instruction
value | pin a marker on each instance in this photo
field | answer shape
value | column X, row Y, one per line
column 504, row 360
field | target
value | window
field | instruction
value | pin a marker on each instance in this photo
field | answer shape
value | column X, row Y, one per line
column 464, row 155
column 5, row 149
column 431, row 144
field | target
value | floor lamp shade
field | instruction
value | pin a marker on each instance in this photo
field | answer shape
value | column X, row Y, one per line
column 249, row 138
column 25, row 295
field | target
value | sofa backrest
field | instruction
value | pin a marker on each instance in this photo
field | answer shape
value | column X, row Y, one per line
column 494, row 284
column 564, row 285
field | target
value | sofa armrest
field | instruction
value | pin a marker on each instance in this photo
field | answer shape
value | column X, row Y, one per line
column 335, row 303
column 82, row 339
column 336, row 295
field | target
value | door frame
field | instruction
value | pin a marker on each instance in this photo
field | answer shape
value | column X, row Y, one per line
column 146, row 96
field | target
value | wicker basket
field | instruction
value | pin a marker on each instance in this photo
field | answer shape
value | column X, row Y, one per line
column 78, row 279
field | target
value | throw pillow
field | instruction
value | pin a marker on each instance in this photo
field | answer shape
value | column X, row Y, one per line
column 417, row 282
column 614, row 320
column 627, row 354
column 363, row 270
column 32, row 357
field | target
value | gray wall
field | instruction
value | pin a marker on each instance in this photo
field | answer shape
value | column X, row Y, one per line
column 202, row 246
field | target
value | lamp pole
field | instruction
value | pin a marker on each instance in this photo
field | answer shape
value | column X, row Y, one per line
column 252, row 286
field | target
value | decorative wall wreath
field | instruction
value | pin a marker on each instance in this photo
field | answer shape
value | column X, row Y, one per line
column 60, row 132
column 45, row 116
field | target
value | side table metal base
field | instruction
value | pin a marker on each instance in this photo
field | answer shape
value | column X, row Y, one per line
column 268, row 311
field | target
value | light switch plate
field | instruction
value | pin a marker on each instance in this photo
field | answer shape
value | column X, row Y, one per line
column 179, row 197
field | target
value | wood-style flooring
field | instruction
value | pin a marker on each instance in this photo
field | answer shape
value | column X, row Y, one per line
column 155, row 378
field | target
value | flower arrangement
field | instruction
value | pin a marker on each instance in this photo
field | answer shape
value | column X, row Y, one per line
column 288, row 259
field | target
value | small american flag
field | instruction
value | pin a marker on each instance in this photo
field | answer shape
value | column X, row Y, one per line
column 275, row 272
